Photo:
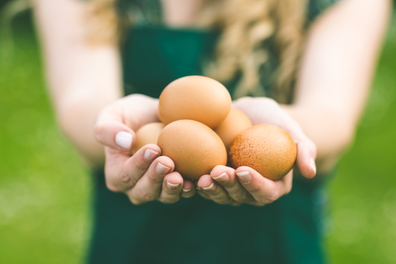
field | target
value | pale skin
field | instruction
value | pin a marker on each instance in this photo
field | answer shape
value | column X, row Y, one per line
column 86, row 90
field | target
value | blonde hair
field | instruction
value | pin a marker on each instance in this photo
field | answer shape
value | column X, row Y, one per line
column 245, row 26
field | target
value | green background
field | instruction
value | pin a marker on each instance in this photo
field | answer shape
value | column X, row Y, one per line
column 45, row 188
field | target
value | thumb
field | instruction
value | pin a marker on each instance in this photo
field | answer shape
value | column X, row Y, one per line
column 112, row 132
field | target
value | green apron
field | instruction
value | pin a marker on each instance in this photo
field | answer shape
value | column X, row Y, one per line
column 196, row 230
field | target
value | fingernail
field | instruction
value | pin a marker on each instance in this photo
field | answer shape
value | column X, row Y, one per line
column 244, row 177
column 150, row 154
column 161, row 169
column 186, row 190
column 172, row 186
column 221, row 177
column 313, row 165
column 210, row 187
column 124, row 139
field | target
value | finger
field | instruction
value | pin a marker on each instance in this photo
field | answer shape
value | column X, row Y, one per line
column 171, row 188
column 215, row 191
column 111, row 131
column 148, row 188
column 200, row 191
column 113, row 166
column 263, row 190
column 188, row 189
column 122, row 171
column 306, row 159
column 306, row 149
column 226, row 177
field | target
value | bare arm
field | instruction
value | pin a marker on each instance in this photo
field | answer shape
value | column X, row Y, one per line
column 85, row 85
column 82, row 78
column 336, row 74
column 333, row 85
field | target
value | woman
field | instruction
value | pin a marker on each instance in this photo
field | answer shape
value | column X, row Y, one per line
column 317, row 62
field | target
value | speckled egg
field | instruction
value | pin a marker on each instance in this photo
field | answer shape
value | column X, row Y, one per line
column 268, row 149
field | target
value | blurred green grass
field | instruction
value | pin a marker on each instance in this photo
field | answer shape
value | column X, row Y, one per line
column 45, row 188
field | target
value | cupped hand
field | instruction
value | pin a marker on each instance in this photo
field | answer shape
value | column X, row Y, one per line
column 226, row 185
column 145, row 176
column 262, row 110
column 244, row 185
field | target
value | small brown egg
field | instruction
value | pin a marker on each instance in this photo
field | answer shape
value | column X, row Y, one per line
column 194, row 148
column 197, row 98
column 268, row 149
column 147, row 134
column 234, row 124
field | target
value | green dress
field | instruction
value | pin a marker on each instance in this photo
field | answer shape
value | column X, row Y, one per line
column 196, row 230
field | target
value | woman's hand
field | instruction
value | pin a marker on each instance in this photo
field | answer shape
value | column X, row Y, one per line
column 145, row 176
column 225, row 185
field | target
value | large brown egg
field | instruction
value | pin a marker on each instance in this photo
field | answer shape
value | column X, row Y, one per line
column 197, row 98
column 147, row 134
column 194, row 148
column 234, row 124
column 268, row 149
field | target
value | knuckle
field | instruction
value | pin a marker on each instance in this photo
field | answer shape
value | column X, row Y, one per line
column 203, row 195
column 255, row 189
column 155, row 179
column 133, row 181
column 223, row 200
column 230, row 184
column 124, row 177
column 240, row 197
column 271, row 199
column 128, row 180
column 112, row 187
column 135, row 201
column 145, row 196
column 211, row 192
column 140, row 166
column 260, row 204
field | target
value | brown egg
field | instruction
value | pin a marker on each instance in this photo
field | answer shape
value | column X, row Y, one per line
column 197, row 98
column 234, row 124
column 195, row 148
column 147, row 134
column 268, row 149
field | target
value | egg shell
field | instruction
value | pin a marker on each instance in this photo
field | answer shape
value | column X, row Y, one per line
column 235, row 123
column 147, row 134
column 197, row 98
column 194, row 148
column 268, row 149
